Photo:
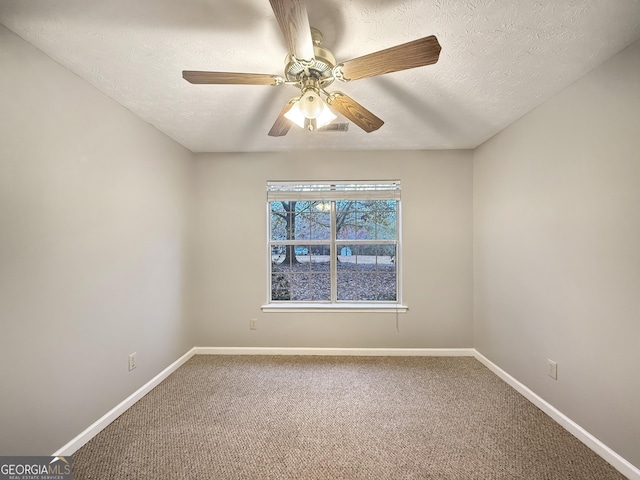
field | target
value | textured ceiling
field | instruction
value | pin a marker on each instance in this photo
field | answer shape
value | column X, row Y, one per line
column 499, row 60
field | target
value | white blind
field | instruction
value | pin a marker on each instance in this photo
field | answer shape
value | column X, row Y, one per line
column 333, row 190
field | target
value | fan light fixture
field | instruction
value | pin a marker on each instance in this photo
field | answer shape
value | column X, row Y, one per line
column 310, row 112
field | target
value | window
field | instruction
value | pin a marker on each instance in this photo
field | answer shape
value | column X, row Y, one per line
column 334, row 244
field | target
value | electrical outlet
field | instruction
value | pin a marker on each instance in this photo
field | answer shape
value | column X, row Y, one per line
column 253, row 324
column 552, row 369
column 132, row 361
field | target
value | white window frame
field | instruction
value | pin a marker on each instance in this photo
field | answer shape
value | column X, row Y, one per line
column 332, row 191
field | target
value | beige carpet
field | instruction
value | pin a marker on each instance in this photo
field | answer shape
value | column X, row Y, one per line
column 268, row 417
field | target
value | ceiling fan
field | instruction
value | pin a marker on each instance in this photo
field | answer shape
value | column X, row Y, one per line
column 312, row 68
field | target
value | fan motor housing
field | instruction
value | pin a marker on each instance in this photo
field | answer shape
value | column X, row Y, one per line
column 320, row 68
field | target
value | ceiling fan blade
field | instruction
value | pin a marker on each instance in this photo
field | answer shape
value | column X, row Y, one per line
column 294, row 23
column 421, row 52
column 354, row 112
column 282, row 125
column 231, row 78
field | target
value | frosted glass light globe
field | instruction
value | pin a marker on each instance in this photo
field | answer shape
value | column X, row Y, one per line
column 311, row 105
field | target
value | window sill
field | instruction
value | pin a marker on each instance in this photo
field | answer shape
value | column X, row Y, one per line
column 335, row 307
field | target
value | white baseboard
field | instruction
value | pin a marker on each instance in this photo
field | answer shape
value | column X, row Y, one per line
column 119, row 409
column 617, row 461
column 361, row 352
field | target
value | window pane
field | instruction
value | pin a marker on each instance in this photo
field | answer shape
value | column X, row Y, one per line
column 346, row 227
column 278, row 254
column 278, row 227
column 378, row 219
column 302, row 255
column 300, row 272
column 301, row 220
column 366, row 273
column 366, row 220
column 320, row 257
column 300, row 287
column 386, row 227
column 320, row 225
column 304, row 207
column 321, row 291
column 345, row 219
column 280, row 286
column 280, row 221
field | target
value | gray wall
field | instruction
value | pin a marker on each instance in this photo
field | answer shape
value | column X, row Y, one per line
column 230, row 268
column 92, row 247
column 557, row 251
